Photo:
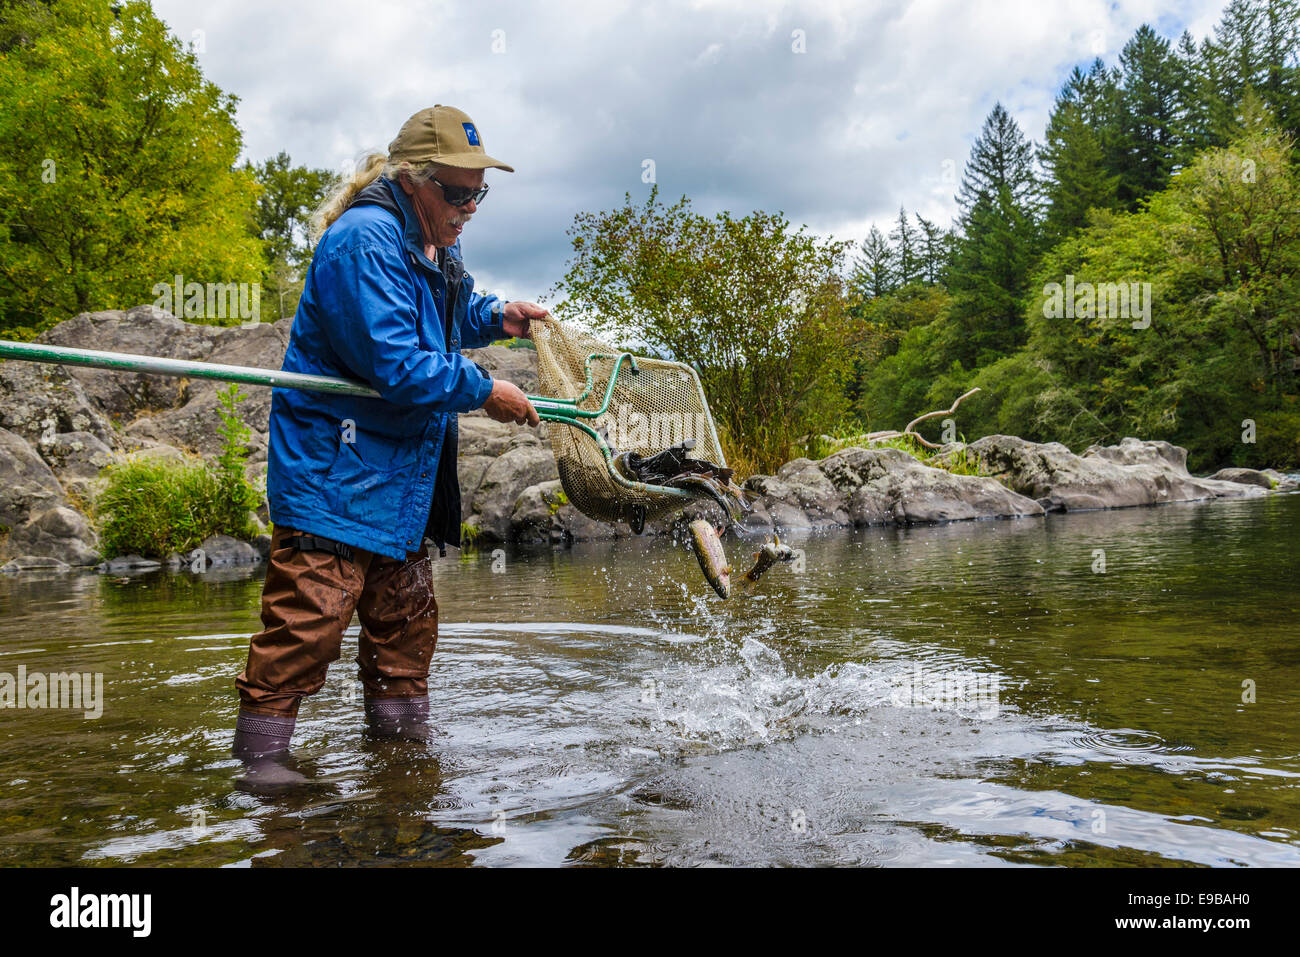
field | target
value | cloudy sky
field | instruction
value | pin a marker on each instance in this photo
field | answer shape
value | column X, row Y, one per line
column 878, row 110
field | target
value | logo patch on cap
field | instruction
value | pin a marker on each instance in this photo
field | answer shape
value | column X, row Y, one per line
column 471, row 134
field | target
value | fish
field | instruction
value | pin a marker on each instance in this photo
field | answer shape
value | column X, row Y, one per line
column 768, row 555
column 707, row 543
column 674, row 468
column 708, row 486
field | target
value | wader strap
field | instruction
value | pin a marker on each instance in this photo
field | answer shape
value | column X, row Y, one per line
column 311, row 543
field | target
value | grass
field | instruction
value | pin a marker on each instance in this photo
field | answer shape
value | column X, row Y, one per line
column 154, row 507
column 959, row 462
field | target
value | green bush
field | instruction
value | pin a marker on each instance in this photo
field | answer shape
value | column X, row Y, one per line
column 156, row 507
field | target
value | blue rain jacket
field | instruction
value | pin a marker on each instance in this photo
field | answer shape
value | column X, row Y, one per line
column 363, row 471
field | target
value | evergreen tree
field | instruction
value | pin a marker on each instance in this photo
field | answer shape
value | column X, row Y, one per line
column 874, row 269
column 907, row 256
column 1077, row 178
column 1256, row 46
column 1001, row 158
column 1151, row 115
column 990, row 270
column 934, row 251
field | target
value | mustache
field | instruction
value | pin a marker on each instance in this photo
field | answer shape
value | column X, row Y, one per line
column 461, row 220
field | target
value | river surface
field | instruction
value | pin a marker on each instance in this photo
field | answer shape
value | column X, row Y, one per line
column 982, row 693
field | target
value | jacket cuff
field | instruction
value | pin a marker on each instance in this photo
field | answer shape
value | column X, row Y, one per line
column 484, row 390
column 494, row 330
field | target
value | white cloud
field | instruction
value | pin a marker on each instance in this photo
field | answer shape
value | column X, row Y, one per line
column 837, row 137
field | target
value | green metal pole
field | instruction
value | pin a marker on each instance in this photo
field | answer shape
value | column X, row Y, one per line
column 550, row 409
column 247, row 375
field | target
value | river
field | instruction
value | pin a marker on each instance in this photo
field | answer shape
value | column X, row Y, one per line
column 1090, row 689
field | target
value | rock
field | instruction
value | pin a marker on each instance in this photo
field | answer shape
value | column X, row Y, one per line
column 32, row 563
column 810, row 487
column 524, row 462
column 155, row 450
column 38, row 401
column 874, row 487
column 1284, row 482
column 470, row 470
column 61, row 533
column 480, row 435
column 262, row 545
column 35, row 517
column 27, row 484
column 77, row 459
column 542, row 515
column 78, row 455
column 1264, row 478
column 144, row 330
column 128, row 564
column 219, row 550
column 1132, row 473
column 174, row 561
column 514, row 365
column 899, row 489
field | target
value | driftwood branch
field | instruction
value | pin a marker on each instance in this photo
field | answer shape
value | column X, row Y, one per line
column 910, row 428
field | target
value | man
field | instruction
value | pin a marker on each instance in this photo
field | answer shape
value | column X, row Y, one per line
column 356, row 485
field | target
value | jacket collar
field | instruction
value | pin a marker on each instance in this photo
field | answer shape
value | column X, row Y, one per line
column 388, row 195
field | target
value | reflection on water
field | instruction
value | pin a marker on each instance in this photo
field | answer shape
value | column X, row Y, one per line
column 967, row 694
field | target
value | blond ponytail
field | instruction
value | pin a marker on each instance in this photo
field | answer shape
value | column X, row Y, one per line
column 367, row 171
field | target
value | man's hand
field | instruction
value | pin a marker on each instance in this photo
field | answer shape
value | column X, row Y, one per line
column 507, row 403
column 515, row 316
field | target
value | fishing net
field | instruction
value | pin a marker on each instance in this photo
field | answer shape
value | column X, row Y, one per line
column 658, row 406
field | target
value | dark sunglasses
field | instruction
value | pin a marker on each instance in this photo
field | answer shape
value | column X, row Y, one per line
column 460, row 195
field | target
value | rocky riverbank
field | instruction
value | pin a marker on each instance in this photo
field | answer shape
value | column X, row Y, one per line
column 60, row 425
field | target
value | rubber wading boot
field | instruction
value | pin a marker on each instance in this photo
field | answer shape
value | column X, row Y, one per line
column 398, row 717
column 261, row 735
column 262, row 744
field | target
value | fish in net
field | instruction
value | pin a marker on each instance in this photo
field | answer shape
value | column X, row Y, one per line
column 652, row 449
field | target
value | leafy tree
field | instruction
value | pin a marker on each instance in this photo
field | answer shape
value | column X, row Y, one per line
column 1221, row 250
column 756, row 306
column 116, row 169
column 284, row 206
column 288, row 197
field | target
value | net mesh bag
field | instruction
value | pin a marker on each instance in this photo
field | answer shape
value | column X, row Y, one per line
column 657, row 407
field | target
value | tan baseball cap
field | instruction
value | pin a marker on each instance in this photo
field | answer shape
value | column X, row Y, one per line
column 443, row 135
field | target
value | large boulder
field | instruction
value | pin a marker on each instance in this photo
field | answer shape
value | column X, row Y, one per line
column 524, row 462
column 1262, row 478
column 35, row 517
column 1135, row 472
column 543, row 516
column 61, row 533
column 144, row 330
column 39, row 401
column 858, row 486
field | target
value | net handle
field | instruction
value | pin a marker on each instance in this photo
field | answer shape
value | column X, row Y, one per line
column 551, row 409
